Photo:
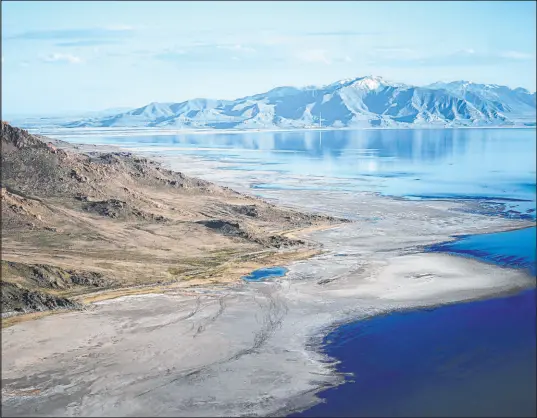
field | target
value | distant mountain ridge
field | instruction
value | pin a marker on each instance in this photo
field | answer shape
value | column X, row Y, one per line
column 351, row 103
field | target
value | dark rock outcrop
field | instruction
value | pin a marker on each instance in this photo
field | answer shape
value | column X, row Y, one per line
column 17, row 299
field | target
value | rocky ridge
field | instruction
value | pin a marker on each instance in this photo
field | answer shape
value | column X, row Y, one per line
column 76, row 221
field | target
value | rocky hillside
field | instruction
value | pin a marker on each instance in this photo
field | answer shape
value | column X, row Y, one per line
column 75, row 222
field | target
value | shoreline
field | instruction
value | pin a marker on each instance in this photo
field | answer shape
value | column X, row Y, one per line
column 13, row 318
column 317, row 342
column 140, row 131
column 381, row 270
column 322, row 332
column 287, row 256
column 397, row 330
column 312, row 345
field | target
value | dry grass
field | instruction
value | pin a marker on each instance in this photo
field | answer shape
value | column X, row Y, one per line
column 13, row 320
column 134, row 223
column 227, row 273
column 113, row 294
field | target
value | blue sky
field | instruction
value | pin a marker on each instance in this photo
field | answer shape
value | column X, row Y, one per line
column 67, row 57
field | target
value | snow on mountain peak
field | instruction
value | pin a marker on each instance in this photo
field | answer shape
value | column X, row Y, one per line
column 352, row 102
column 369, row 82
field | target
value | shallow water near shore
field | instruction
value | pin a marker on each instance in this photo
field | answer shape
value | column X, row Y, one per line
column 467, row 359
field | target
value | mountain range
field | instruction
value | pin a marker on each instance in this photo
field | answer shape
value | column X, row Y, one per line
column 351, row 103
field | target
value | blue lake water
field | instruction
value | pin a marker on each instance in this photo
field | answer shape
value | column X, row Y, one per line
column 468, row 359
column 510, row 249
column 260, row 275
column 496, row 166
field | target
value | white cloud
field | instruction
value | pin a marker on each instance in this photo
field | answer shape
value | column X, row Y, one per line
column 68, row 58
column 468, row 51
column 314, row 55
column 444, row 58
column 237, row 47
column 516, row 55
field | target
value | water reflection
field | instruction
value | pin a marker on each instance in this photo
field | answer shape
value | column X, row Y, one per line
column 403, row 144
column 415, row 145
column 486, row 163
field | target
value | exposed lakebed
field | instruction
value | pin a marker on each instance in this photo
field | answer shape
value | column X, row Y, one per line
column 397, row 365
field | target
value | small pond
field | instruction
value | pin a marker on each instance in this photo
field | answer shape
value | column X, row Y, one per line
column 265, row 273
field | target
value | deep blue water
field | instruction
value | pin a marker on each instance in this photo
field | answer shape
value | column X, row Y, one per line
column 467, row 359
column 510, row 249
column 260, row 275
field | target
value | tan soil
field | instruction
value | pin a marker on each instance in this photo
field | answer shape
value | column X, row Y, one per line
column 128, row 221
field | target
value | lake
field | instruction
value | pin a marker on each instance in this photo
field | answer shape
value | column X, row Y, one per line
column 494, row 167
column 467, row 359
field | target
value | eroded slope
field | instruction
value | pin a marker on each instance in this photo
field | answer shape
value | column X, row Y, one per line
column 129, row 220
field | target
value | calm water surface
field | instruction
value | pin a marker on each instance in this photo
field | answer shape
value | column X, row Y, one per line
column 467, row 359
column 260, row 275
column 497, row 165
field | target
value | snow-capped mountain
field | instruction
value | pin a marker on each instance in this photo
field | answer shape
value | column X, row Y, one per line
column 519, row 103
column 357, row 103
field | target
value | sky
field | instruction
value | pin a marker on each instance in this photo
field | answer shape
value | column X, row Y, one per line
column 67, row 57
